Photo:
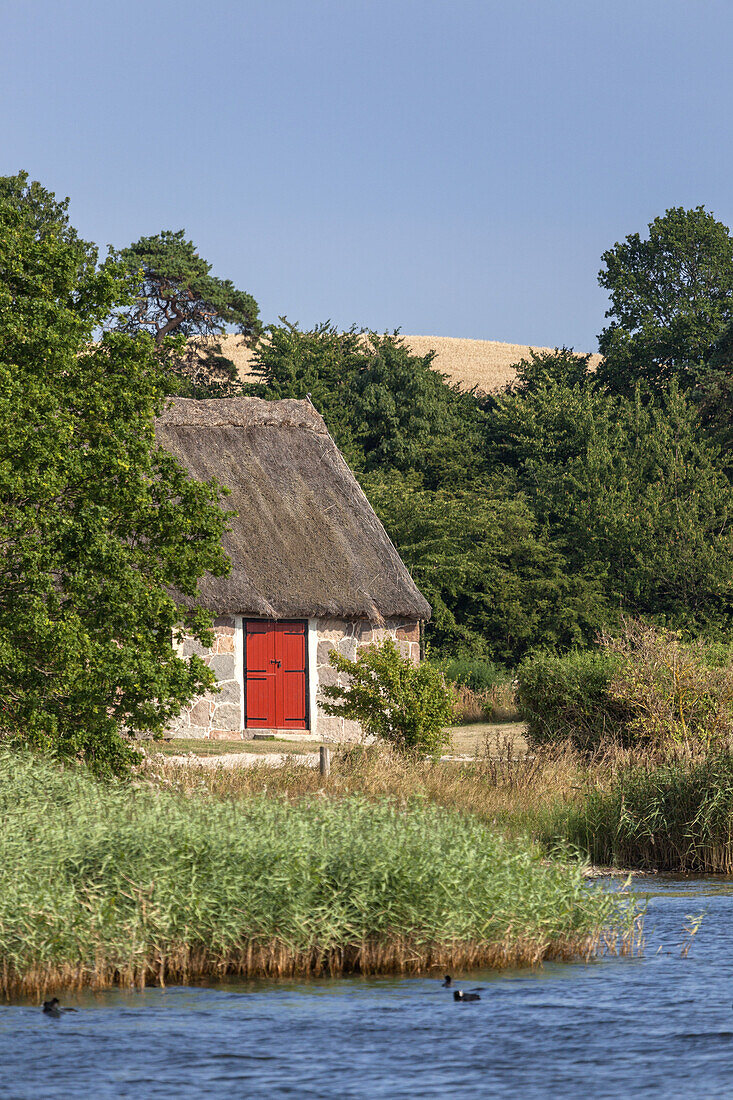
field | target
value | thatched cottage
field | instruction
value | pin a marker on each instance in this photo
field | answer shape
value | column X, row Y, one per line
column 312, row 567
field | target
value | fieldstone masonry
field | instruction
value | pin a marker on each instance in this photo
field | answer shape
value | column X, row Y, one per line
column 350, row 638
column 220, row 716
column 215, row 716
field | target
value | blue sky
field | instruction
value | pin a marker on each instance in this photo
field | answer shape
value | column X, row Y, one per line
column 447, row 167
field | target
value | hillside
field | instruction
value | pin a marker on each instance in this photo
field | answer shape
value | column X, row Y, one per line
column 486, row 364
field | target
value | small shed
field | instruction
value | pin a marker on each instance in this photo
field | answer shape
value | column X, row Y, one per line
column 312, row 567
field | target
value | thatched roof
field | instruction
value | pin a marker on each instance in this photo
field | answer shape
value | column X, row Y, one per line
column 305, row 541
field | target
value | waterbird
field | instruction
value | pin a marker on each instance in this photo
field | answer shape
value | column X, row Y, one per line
column 459, row 995
column 53, row 1008
column 448, row 981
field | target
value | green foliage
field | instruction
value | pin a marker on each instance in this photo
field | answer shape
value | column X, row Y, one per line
column 47, row 216
column 568, row 698
column 386, row 408
column 404, row 704
column 472, row 673
column 674, row 693
column 644, row 688
column 149, row 885
column 714, row 394
column 532, row 519
column 320, row 363
column 672, row 817
column 175, row 294
column 98, row 526
column 496, row 585
column 629, row 491
column 671, row 299
column 561, row 367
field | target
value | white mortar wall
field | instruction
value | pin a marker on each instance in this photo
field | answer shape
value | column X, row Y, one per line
column 239, row 659
column 313, row 675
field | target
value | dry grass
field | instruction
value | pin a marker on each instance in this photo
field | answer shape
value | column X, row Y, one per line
column 518, row 791
column 495, row 704
column 489, row 739
column 486, row 364
column 470, row 739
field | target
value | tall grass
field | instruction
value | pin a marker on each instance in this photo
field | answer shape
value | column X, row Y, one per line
column 494, row 704
column 102, row 885
column 519, row 793
column 482, row 691
column 625, row 808
column 676, row 816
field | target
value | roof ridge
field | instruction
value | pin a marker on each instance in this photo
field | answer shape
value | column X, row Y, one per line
column 241, row 412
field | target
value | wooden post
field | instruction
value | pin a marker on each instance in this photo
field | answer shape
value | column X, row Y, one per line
column 325, row 760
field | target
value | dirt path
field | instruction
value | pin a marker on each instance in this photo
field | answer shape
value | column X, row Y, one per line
column 247, row 759
column 467, row 742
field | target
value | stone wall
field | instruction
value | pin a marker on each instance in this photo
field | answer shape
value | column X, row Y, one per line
column 220, row 716
column 216, row 716
column 350, row 638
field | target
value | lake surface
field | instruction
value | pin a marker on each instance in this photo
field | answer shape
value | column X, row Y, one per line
column 659, row 1026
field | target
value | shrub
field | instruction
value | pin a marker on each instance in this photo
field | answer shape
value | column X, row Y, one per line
column 643, row 687
column 672, row 692
column 475, row 674
column 568, row 698
column 404, row 704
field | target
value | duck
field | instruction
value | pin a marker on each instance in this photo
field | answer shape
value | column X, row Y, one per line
column 448, row 982
column 54, row 1009
column 459, row 995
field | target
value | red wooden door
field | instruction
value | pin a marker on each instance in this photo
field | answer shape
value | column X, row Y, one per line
column 275, row 675
column 259, row 670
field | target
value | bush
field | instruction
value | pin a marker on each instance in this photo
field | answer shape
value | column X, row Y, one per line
column 643, row 687
column 568, row 698
column 475, row 674
column 404, row 704
column 673, row 693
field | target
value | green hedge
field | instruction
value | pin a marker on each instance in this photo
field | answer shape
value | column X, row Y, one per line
column 475, row 674
column 567, row 698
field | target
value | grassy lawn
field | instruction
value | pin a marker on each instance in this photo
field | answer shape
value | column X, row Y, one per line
column 181, row 746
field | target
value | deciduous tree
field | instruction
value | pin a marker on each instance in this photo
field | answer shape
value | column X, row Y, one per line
column 103, row 536
column 671, row 300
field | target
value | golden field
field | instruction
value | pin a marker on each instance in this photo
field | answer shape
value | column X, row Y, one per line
column 486, row 364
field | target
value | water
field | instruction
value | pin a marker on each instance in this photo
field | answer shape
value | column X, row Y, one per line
column 660, row 1026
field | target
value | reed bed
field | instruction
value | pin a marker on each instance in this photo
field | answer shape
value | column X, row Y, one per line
column 103, row 885
column 674, row 815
